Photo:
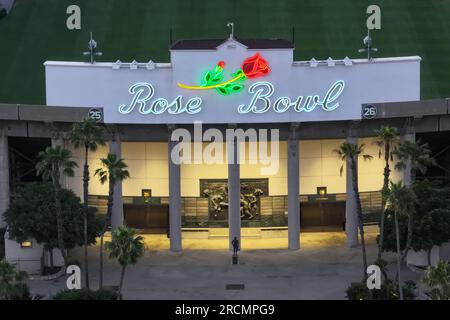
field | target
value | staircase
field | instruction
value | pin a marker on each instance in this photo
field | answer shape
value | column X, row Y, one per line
column 222, row 233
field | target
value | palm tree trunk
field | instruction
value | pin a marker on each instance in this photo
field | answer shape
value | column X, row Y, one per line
column 52, row 264
column 85, row 210
column 397, row 238
column 105, row 228
column 100, row 277
column 410, row 226
column 409, row 236
column 359, row 213
column 386, row 174
column 429, row 256
column 59, row 222
column 122, row 276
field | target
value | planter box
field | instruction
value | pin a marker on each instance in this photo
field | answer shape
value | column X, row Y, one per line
column 420, row 258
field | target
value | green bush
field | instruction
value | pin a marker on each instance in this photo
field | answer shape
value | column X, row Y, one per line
column 388, row 291
column 437, row 278
column 431, row 219
column 31, row 214
column 358, row 291
column 86, row 294
column 12, row 283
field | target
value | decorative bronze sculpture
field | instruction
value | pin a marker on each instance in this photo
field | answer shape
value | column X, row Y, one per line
column 217, row 193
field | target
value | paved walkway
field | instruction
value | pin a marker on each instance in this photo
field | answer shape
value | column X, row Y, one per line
column 322, row 269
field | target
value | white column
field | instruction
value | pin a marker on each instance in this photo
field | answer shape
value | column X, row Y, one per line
column 234, row 192
column 4, row 176
column 117, row 209
column 293, row 191
column 409, row 135
column 174, row 197
column 351, row 216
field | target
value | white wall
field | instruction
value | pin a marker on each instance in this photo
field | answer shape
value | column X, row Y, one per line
column 100, row 85
column 28, row 259
column 319, row 166
column 76, row 183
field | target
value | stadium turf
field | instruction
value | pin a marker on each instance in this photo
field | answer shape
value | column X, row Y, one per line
column 36, row 31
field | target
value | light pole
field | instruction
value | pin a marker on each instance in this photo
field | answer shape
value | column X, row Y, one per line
column 92, row 47
column 231, row 25
column 368, row 46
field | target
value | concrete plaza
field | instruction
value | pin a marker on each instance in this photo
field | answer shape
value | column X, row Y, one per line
column 322, row 269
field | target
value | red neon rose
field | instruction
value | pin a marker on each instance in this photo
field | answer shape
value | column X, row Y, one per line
column 221, row 64
column 255, row 66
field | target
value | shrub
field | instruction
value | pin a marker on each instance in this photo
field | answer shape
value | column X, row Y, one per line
column 31, row 214
column 86, row 294
column 358, row 291
column 431, row 219
column 388, row 291
column 12, row 283
column 437, row 278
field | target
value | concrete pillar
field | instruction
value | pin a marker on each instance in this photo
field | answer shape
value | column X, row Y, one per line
column 59, row 141
column 351, row 216
column 293, row 191
column 234, row 192
column 410, row 135
column 4, row 176
column 174, row 197
column 117, row 209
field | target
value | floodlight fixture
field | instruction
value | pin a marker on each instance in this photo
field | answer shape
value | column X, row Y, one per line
column 368, row 46
column 92, row 47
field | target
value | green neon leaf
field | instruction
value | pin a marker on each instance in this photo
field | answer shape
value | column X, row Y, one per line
column 223, row 91
column 206, row 78
column 239, row 72
column 217, row 77
column 236, row 87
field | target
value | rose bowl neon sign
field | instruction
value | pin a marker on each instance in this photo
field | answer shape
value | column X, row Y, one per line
column 262, row 91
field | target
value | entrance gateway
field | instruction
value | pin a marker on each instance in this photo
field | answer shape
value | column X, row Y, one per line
column 241, row 84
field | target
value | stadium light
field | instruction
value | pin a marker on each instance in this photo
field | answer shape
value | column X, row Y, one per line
column 368, row 45
column 92, row 47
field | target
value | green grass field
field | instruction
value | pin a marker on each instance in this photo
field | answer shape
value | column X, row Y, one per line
column 140, row 29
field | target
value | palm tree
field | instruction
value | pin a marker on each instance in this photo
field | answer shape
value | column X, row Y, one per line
column 126, row 247
column 387, row 138
column 437, row 278
column 400, row 200
column 51, row 164
column 89, row 135
column 114, row 170
column 350, row 151
column 418, row 155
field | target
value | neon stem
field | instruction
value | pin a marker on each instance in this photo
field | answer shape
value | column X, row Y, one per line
column 184, row 86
